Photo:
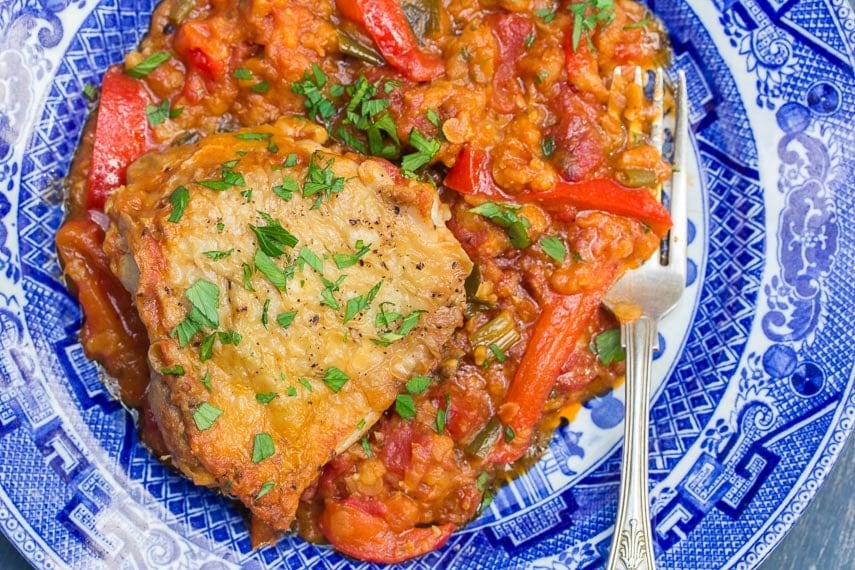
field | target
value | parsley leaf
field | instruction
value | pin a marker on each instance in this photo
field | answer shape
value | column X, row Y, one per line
column 387, row 337
column 273, row 238
column 554, row 247
column 405, row 406
column 345, row 260
column 318, row 105
column 266, row 397
column 335, row 379
column 287, row 189
column 262, row 447
column 148, row 65
column 217, row 254
column 587, row 15
column 156, row 114
column 321, row 181
column 266, row 487
column 505, row 216
column 179, row 199
column 607, row 347
column 310, row 258
column 243, row 74
column 361, row 302
column 176, row 370
column 205, row 416
column 418, row 384
column 285, row 319
column 270, row 270
column 425, row 151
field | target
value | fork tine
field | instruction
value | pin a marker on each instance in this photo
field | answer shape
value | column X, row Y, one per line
column 678, row 237
column 656, row 125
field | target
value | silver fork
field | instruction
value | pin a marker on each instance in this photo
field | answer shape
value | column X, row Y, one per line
column 654, row 288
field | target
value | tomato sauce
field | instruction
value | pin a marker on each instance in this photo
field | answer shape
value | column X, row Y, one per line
column 528, row 136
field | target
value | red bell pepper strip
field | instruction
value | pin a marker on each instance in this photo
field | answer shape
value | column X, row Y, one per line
column 121, row 135
column 608, row 196
column 359, row 528
column 386, row 23
column 553, row 340
column 471, row 174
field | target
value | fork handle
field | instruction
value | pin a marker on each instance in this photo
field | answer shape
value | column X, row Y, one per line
column 632, row 544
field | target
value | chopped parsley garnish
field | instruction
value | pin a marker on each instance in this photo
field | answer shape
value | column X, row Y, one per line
column 217, row 254
column 205, row 416
column 287, row 189
column 321, row 181
column 148, row 65
column 291, row 159
column 253, row 136
column 156, row 114
column 327, row 293
column 481, row 481
column 405, row 406
column 361, row 302
column 243, row 74
column 497, row 352
column 306, row 384
column 529, row 40
column 176, row 370
column 266, row 397
column 385, row 321
column 545, row 14
column 269, row 269
column 230, row 337
column 587, row 15
column 90, row 91
column 607, row 347
column 433, row 118
column 335, row 379
column 204, row 303
column 418, row 384
column 318, row 105
column 366, row 448
column 265, row 488
column 360, row 424
column 262, row 447
column 247, row 277
column 272, row 237
column 642, row 23
column 577, row 257
column 291, row 392
column 442, row 416
column 285, row 319
column 206, row 380
column 264, row 310
column 547, row 147
column 179, row 199
column 310, row 258
column 554, row 247
column 509, row 434
column 228, row 178
column 345, row 260
column 260, row 87
column 506, row 216
column 206, row 349
column 425, row 151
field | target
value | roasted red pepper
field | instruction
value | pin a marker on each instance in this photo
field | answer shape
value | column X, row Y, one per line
column 471, row 174
column 552, row 341
column 121, row 135
column 386, row 23
column 608, row 196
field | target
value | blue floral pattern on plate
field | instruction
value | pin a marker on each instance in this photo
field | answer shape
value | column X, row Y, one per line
column 755, row 398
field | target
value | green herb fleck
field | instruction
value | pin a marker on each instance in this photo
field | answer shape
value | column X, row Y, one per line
column 287, row 189
column 426, row 149
column 418, row 384
column 176, row 370
column 272, row 237
column 433, row 117
column 148, row 65
column 607, row 347
column 264, row 310
column 266, row 397
column 179, row 199
column 497, row 352
column 554, row 247
column 206, row 380
column 405, row 406
column 509, row 434
column 268, row 267
column 505, row 216
column 262, row 447
column 366, row 448
column 265, row 488
column 90, row 91
column 247, row 277
column 243, row 74
column 335, row 379
column 547, row 147
column 253, row 136
column 285, row 319
column 306, row 384
column 205, row 416
column 310, row 258
column 345, row 260
column 321, row 181
column 361, row 302
column 156, row 114
column 260, row 87
column 217, row 254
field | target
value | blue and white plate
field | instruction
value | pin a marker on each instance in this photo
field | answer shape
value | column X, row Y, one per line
column 755, row 393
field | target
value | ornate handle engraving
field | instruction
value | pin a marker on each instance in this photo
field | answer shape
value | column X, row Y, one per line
column 632, row 545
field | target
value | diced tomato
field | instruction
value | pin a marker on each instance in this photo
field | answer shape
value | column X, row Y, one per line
column 200, row 46
column 371, row 530
column 580, row 144
column 510, row 31
column 386, row 23
column 121, row 135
